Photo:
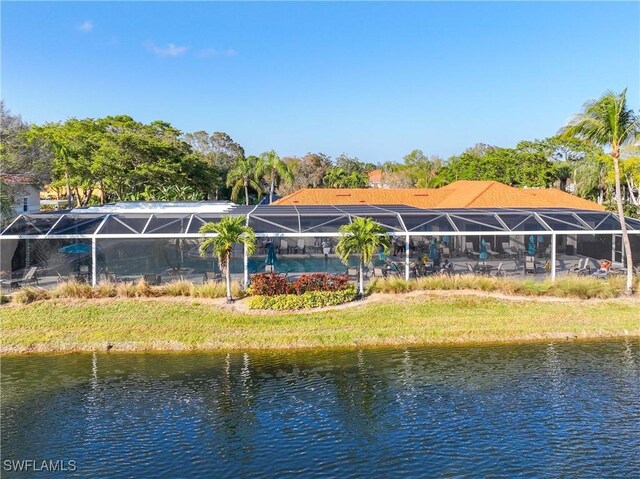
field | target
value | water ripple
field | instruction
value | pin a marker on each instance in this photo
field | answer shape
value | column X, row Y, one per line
column 553, row 410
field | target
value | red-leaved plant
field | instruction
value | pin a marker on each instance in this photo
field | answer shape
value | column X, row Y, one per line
column 271, row 284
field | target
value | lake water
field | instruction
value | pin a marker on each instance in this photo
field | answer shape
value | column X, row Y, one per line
column 537, row 410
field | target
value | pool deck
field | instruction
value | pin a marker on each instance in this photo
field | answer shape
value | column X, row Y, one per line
column 511, row 268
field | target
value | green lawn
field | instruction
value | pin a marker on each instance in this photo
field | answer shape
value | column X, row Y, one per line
column 148, row 324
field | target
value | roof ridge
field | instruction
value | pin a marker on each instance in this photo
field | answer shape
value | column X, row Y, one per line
column 490, row 183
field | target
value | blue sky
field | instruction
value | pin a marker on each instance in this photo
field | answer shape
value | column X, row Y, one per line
column 373, row 80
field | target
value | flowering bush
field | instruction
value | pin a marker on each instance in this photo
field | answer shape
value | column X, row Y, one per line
column 310, row 299
column 270, row 284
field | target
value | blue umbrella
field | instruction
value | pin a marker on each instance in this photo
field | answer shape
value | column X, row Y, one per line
column 483, row 250
column 532, row 246
column 271, row 255
column 76, row 248
column 433, row 250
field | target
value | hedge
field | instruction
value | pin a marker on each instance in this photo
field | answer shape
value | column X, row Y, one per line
column 271, row 284
column 308, row 300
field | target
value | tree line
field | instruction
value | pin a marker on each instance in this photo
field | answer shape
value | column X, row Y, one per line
column 117, row 158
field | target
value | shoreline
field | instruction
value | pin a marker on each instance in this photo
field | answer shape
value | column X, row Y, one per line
column 419, row 318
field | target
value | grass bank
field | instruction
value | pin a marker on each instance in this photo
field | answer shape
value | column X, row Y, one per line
column 144, row 324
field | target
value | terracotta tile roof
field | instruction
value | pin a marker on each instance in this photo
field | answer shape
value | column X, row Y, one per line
column 461, row 194
column 17, row 179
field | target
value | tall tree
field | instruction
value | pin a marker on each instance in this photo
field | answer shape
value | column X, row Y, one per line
column 219, row 150
column 19, row 155
column 364, row 237
column 337, row 177
column 607, row 121
column 272, row 168
column 229, row 231
column 242, row 176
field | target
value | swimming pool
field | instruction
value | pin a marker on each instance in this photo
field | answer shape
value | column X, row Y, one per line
column 302, row 264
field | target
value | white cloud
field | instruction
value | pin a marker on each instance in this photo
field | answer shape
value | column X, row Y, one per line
column 86, row 26
column 213, row 52
column 171, row 50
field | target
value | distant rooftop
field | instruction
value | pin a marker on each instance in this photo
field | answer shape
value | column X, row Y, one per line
column 191, row 207
column 17, row 179
column 461, row 194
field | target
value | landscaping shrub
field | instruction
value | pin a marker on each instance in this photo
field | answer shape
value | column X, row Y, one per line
column 29, row 294
column 74, row 289
column 310, row 299
column 270, row 284
column 574, row 287
column 319, row 282
column 105, row 290
column 217, row 289
column 178, row 288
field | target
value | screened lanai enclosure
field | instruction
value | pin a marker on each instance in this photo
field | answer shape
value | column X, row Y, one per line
column 126, row 242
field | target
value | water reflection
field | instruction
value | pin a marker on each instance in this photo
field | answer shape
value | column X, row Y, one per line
column 549, row 409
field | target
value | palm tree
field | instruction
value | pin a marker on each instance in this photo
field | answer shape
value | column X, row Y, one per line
column 242, row 176
column 229, row 231
column 608, row 122
column 271, row 166
column 363, row 236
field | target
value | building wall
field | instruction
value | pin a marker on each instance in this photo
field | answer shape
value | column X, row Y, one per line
column 26, row 199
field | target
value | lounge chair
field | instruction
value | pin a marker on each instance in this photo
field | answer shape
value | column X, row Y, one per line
column 470, row 252
column 28, row 277
column 508, row 250
column 284, row 246
column 585, row 269
column 446, row 252
column 500, row 273
column 490, row 251
column 471, row 269
column 215, row 276
column 576, row 267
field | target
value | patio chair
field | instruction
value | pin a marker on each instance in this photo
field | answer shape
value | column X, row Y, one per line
column 379, row 273
column 529, row 265
column 471, row 269
column 300, row 247
column 152, row 279
column 393, row 269
column 508, row 250
column 446, row 252
column 284, row 246
column 28, row 277
column 111, row 277
column 585, row 269
column 470, row 252
column 490, row 251
column 352, row 274
column 500, row 273
column 62, row 279
column 577, row 267
column 215, row 275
